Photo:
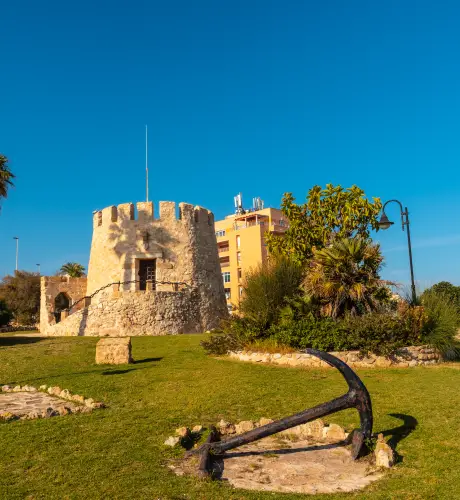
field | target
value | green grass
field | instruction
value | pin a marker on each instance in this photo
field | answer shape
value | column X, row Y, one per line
column 118, row 452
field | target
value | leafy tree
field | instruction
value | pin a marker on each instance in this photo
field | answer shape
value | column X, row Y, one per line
column 73, row 269
column 333, row 212
column 6, row 177
column 448, row 291
column 5, row 314
column 21, row 294
column 344, row 277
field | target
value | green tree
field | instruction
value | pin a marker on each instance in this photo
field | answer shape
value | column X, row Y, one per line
column 6, row 177
column 5, row 314
column 73, row 269
column 21, row 294
column 450, row 292
column 333, row 212
column 344, row 277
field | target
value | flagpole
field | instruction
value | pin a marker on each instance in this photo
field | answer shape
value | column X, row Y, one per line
column 146, row 167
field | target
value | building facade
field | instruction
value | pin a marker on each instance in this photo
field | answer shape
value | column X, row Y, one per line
column 241, row 246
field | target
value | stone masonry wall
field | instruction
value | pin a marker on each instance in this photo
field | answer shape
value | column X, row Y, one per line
column 406, row 357
column 51, row 286
column 135, row 313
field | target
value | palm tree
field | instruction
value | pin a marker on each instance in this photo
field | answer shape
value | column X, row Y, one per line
column 344, row 277
column 5, row 177
column 73, row 270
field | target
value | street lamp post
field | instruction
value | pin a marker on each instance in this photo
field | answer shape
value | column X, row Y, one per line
column 38, row 265
column 385, row 223
column 17, row 250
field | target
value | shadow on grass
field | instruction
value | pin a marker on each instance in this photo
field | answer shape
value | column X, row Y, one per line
column 11, row 341
column 118, row 372
column 399, row 433
column 146, row 360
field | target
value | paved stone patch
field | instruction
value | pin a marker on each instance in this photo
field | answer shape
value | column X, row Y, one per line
column 24, row 403
column 298, row 467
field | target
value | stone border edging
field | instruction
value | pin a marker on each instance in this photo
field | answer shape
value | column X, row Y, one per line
column 86, row 405
column 405, row 357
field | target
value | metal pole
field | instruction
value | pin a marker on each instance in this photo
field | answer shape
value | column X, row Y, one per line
column 38, row 265
column 146, row 166
column 17, row 250
column 414, row 295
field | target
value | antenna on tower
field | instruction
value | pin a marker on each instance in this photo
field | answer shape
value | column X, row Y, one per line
column 146, row 167
column 238, row 199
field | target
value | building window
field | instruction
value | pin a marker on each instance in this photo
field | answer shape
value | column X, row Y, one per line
column 241, row 291
column 240, row 274
column 238, row 242
column 228, row 293
column 238, row 257
column 220, row 233
column 226, row 277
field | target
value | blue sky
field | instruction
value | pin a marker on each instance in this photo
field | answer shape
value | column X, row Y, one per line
column 260, row 97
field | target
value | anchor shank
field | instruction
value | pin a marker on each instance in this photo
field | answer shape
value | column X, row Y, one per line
column 338, row 404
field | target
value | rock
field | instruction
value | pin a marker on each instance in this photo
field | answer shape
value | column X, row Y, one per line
column 314, row 429
column 114, row 351
column 42, row 388
column 384, row 456
column 98, row 404
column 17, row 388
column 50, row 412
column 78, row 399
column 382, row 362
column 244, row 426
column 335, row 432
column 7, row 388
column 54, row 391
column 225, row 427
column 65, row 394
column 64, row 410
column 7, row 416
column 33, row 415
column 29, row 388
column 89, row 402
column 265, row 421
column 183, row 432
column 172, row 441
column 197, row 429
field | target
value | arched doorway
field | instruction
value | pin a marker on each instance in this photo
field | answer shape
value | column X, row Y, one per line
column 61, row 302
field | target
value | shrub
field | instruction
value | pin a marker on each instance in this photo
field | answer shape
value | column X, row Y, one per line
column 267, row 290
column 441, row 327
column 5, row 314
column 449, row 291
column 381, row 334
column 324, row 334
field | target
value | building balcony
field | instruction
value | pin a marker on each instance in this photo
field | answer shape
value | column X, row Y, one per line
column 224, row 264
column 223, row 249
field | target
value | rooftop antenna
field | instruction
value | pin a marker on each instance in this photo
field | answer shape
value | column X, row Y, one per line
column 146, row 167
column 238, row 199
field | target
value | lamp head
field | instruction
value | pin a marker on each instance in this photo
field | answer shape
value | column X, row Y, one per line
column 384, row 222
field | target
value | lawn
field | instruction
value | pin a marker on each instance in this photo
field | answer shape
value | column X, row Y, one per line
column 118, row 452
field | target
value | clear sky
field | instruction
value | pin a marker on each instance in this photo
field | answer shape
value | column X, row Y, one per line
column 260, row 97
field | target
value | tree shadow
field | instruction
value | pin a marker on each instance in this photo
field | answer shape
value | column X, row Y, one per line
column 399, row 433
column 17, row 340
column 146, row 360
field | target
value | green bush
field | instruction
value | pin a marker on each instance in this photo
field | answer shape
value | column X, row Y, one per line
column 267, row 290
column 450, row 292
column 324, row 334
column 441, row 327
column 5, row 314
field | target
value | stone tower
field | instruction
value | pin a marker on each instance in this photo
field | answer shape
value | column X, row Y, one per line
column 138, row 251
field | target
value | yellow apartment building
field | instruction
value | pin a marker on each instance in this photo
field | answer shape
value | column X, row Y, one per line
column 241, row 245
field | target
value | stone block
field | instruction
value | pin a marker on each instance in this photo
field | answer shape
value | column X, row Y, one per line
column 113, row 351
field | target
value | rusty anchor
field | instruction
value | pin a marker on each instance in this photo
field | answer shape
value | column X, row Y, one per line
column 356, row 397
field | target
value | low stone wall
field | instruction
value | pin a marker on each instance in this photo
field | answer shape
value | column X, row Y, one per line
column 407, row 356
column 132, row 313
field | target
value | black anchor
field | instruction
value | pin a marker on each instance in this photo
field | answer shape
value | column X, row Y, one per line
column 356, row 397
